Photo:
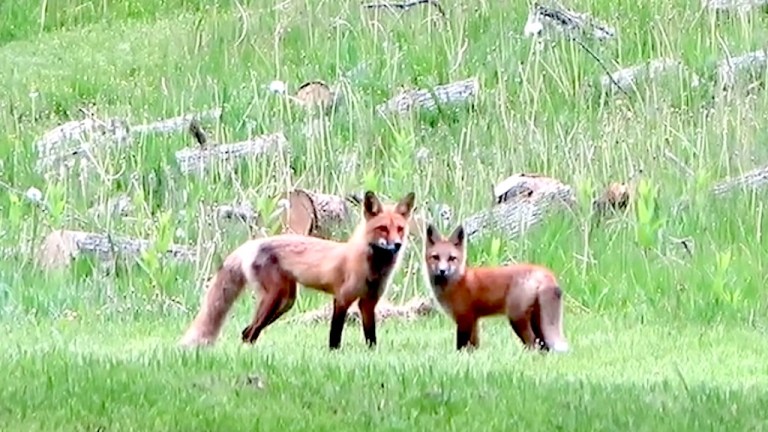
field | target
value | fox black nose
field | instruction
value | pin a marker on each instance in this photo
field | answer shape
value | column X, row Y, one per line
column 396, row 246
column 442, row 272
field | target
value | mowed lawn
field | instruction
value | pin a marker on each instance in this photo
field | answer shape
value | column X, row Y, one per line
column 621, row 375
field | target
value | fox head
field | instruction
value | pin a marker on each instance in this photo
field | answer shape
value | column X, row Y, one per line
column 387, row 225
column 445, row 258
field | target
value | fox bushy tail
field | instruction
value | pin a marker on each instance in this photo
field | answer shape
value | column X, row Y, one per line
column 550, row 299
column 223, row 289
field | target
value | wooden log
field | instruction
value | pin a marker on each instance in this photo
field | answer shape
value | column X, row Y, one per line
column 754, row 179
column 544, row 20
column 411, row 310
column 748, row 68
column 737, row 6
column 67, row 143
column 176, row 124
column 524, row 203
column 195, row 160
column 404, row 6
column 525, row 185
column 628, row 79
column 317, row 214
column 451, row 93
column 60, row 247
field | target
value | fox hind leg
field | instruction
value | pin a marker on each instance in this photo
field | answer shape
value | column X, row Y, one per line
column 279, row 295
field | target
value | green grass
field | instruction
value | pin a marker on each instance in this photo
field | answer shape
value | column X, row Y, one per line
column 661, row 340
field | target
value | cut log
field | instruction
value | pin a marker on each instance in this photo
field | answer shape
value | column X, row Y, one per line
column 411, row 310
column 452, row 93
column 526, row 185
column 317, row 214
column 748, row 68
column 65, row 144
column 526, row 206
column 243, row 213
column 754, row 179
column 196, row 159
column 628, row 79
column 60, row 247
column 738, row 6
column 544, row 20
column 176, row 124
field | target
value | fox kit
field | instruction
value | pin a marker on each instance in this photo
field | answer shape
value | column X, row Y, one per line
column 360, row 268
column 529, row 295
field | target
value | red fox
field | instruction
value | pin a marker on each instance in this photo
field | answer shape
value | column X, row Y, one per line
column 528, row 294
column 360, row 269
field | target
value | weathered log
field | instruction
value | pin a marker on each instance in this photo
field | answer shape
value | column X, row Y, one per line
column 197, row 159
column 628, row 79
column 243, row 213
column 526, row 205
column 749, row 67
column 738, row 6
column 451, row 93
column 546, row 19
column 317, row 214
column 404, row 6
column 411, row 310
column 120, row 205
column 63, row 145
column 176, row 124
column 60, row 247
column 754, row 179
column 525, row 185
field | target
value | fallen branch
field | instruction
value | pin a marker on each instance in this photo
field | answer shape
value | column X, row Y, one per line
column 543, row 19
column 406, row 5
column 197, row 159
column 738, row 6
column 749, row 67
column 455, row 92
column 411, row 310
column 626, row 80
column 754, row 179
column 60, row 247
column 69, row 142
column 317, row 214
column 523, row 185
column 524, row 204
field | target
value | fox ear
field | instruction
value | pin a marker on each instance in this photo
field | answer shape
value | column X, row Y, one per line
column 371, row 204
column 433, row 236
column 457, row 236
column 405, row 206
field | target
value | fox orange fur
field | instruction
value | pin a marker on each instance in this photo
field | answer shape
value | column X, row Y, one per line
column 358, row 269
column 528, row 294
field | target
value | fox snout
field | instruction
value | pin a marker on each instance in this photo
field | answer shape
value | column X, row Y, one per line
column 391, row 246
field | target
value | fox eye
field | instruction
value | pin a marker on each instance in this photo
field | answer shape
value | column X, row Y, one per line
column 399, row 230
column 435, row 257
column 452, row 258
column 382, row 229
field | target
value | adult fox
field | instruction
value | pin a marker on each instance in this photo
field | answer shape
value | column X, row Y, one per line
column 359, row 269
column 528, row 294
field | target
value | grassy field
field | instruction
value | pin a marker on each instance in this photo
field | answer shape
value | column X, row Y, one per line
column 660, row 340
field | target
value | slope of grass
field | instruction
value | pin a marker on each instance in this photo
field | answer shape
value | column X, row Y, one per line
column 691, row 356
